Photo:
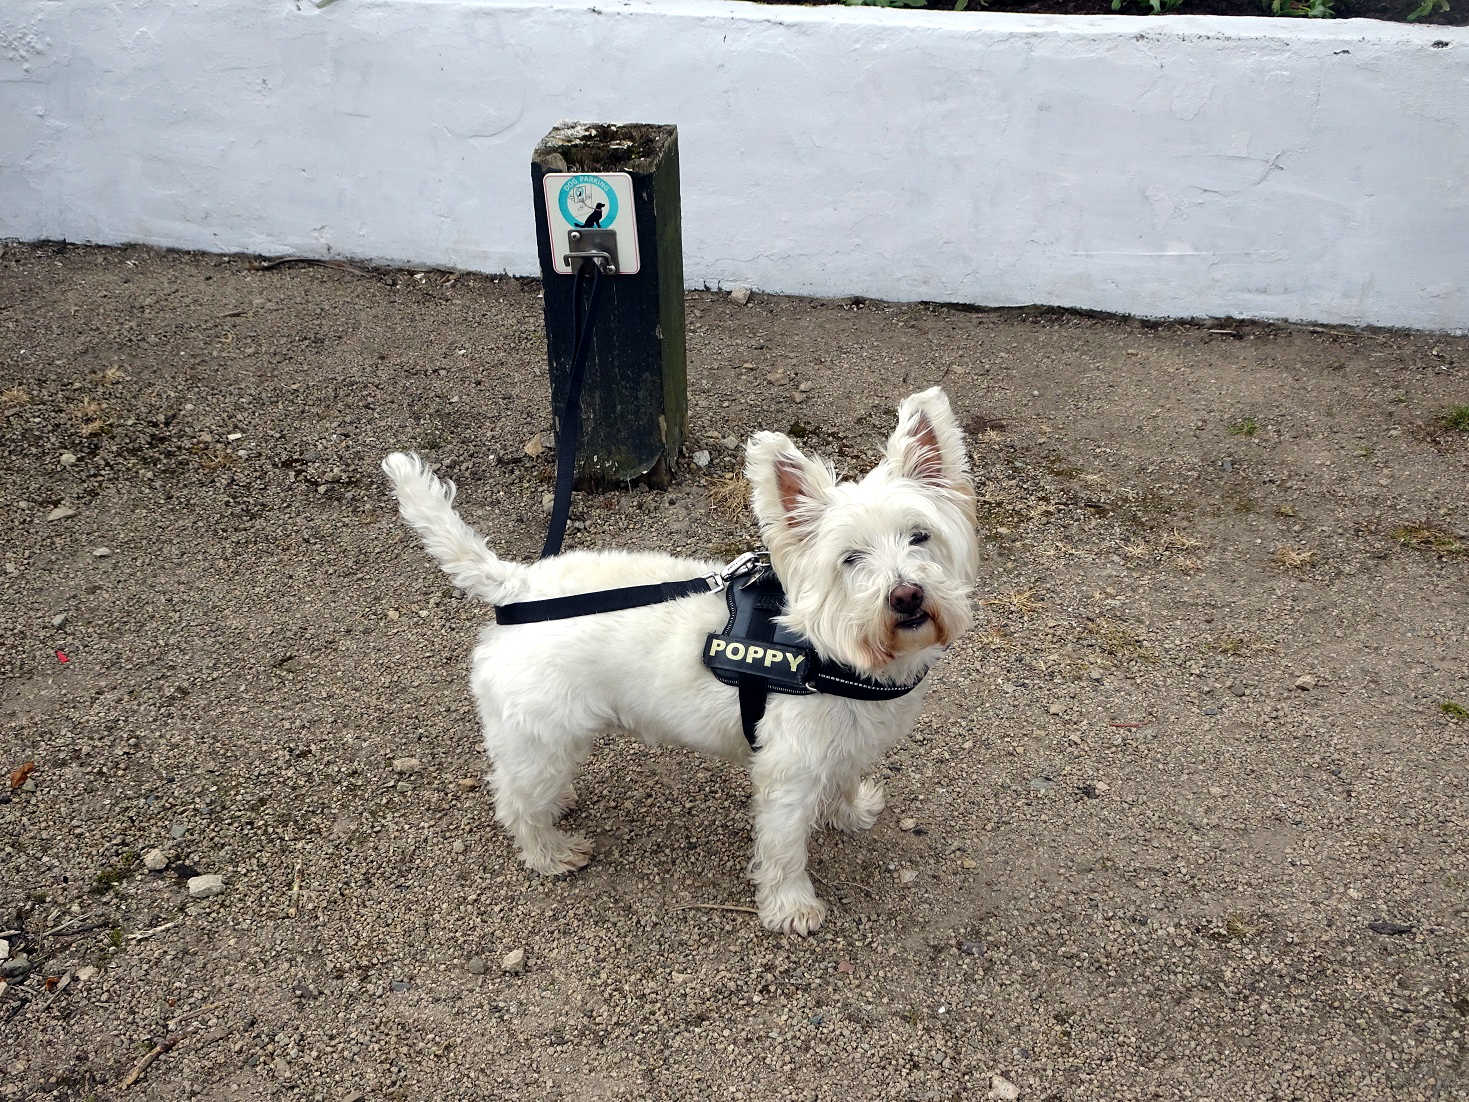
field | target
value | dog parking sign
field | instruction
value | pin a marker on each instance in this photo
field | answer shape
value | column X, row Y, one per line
column 591, row 200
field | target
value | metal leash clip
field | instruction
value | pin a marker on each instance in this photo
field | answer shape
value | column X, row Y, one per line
column 749, row 563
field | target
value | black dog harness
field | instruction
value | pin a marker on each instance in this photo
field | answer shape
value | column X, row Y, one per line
column 754, row 654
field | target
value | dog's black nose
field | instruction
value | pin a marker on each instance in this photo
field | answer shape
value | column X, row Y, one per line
column 906, row 599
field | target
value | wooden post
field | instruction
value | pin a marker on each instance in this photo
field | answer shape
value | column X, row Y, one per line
column 635, row 396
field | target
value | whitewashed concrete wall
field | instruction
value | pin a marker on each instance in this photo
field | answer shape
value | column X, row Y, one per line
column 1177, row 166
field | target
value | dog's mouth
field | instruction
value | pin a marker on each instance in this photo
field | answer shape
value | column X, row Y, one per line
column 914, row 622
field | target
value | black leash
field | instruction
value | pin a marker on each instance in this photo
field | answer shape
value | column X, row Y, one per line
column 568, row 426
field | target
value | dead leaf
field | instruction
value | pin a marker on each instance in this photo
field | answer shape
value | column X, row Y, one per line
column 18, row 778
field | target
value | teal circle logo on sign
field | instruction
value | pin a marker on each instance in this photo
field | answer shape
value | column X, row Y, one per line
column 588, row 200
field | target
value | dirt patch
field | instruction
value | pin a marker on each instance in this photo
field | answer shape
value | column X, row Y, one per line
column 1187, row 807
column 1392, row 11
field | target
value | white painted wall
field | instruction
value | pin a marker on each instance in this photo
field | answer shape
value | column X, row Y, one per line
column 1177, row 166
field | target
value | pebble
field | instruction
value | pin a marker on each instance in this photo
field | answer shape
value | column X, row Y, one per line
column 61, row 512
column 476, row 966
column 58, row 620
column 393, row 614
column 4, row 949
column 67, row 459
column 155, row 860
column 1055, row 709
column 1211, row 711
column 1002, row 1089
column 400, row 985
column 177, row 830
column 1305, row 683
column 907, row 876
column 458, row 846
column 534, row 446
column 16, row 966
column 730, row 442
column 548, row 502
column 88, row 972
column 407, row 765
column 907, row 824
column 204, row 887
column 101, row 552
column 701, row 458
column 798, row 397
column 1041, row 784
column 467, row 784
column 776, row 376
column 740, row 295
column 969, row 863
column 1095, row 675
column 513, row 961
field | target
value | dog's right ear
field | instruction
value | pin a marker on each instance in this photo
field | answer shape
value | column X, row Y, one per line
column 788, row 490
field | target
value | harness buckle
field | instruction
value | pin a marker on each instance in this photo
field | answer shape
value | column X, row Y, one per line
column 747, row 563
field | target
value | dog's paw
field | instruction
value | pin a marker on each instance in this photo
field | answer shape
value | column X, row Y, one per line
column 793, row 914
column 860, row 810
column 558, row 854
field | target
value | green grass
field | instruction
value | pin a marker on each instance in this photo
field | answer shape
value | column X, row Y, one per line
column 1245, row 426
column 1454, row 710
column 1457, row 419
column 114, row 875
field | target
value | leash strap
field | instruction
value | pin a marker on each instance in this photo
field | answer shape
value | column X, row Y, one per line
column 568, row 423
column 604, row 600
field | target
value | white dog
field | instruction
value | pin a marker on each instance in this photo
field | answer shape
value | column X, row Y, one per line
column 877, row 575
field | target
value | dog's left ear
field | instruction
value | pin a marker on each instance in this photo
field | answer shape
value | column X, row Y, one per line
column 928, row 446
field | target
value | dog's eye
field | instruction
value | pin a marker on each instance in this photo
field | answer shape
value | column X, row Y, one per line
column 918, row 537
column 851, row 558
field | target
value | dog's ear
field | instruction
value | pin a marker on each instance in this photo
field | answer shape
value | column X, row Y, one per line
column 788, row 490
column 928, row 446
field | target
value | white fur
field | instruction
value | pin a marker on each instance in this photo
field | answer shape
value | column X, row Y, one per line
column 546, row 691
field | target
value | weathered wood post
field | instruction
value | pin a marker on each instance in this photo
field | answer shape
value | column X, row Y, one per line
column 613, row 190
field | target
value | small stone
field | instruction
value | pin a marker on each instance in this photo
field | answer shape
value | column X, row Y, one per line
column 804, row 387
column 403, row 788
column 61, row 512
column 739, row 296
column 281, row 1068
column 907, row 824
column 907, row 876
column 155, row 860
column 67, row 459
column 798, row 397
column 400, row 985
column 59, row 620
column 235, row 436
column 968, row 863
column 1305, row 683
column 1041, row 784
column 776, row 376
column 393, row 614
column 205, row 887
column 458, row 846
column 177, row 830
column 17, row 966
column 1391, row 929
column 548, row 502
column 1055, row 709
column 407, row 765
column 4, row 949
column 88, row 972
column 534, row 446
column 1002, row 1089
column 28, row 786
column 101, row 552
column 476, row 966
column 730, row 442
column 701, row 458
column 1211, row 711
column 1095, row 675
column 513, row 961
column 467, row 784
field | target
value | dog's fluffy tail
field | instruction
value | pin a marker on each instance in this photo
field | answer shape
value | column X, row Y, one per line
column 426, row 502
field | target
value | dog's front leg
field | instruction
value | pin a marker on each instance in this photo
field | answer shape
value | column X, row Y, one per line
column 787, row 799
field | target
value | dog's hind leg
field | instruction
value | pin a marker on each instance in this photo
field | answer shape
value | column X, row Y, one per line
column 534, row 765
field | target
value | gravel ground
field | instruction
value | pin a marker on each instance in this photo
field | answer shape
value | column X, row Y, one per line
column 1184, row 818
